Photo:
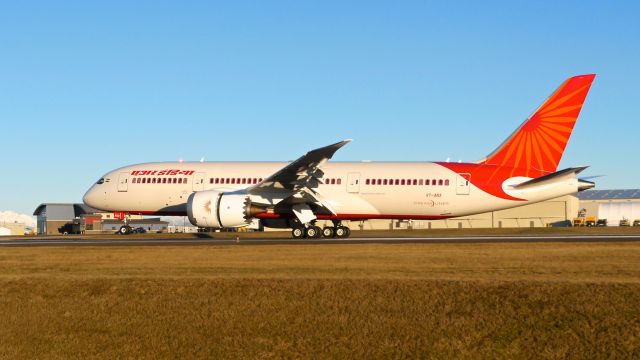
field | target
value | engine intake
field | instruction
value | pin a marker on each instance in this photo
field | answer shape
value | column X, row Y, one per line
column 217, row 209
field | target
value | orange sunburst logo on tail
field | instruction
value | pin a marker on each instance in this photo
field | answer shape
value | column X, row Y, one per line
column 536, row 147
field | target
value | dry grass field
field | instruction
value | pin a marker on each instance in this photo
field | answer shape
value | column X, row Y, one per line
column 544, row 300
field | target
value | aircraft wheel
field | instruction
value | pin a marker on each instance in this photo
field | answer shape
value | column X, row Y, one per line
column 297, row 232
column 341, row 231
column 313, row 232
column 124, row 230
column 327, row 232
column 348, row 231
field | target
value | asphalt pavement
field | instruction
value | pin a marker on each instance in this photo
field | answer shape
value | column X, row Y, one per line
column 212, row 241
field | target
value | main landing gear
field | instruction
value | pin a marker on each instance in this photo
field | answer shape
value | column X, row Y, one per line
column 312, row 231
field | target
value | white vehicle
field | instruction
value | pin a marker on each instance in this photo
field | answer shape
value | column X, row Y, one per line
column 521, row 171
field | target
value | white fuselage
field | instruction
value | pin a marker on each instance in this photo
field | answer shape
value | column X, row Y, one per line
column 354, row 190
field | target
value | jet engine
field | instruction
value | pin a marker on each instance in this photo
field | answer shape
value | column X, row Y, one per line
column 217, row 209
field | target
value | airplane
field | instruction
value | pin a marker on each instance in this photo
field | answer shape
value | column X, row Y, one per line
column 295, row 195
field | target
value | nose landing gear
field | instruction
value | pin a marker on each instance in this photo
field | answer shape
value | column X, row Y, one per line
column 125, row 230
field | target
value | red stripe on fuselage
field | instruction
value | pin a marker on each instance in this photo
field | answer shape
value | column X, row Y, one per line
column 319, row 216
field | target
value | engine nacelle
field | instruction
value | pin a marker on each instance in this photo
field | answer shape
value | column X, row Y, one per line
column 217, row 209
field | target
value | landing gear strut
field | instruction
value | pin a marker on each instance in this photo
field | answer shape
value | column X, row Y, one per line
column 124, row 229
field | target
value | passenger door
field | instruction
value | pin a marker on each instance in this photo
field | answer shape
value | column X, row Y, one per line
column 463, row 184
column 198, row 181
column 123, row 182
column 353, row 182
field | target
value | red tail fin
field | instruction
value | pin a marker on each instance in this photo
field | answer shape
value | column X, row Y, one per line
column 537, row 145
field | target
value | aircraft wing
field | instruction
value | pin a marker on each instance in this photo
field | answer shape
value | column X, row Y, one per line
column 300, row 176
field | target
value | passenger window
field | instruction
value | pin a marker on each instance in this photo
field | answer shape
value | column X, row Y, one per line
column 244, row 180
column 384, row 182
column 338, row 181
column 402, row 182
column 184, row 181
column 433, row 182
column 379, row 181
column 153, row 180
column 446, row 182
column 415, row 182
column 440, row 182
column 397, row 182
column 420, row 182
column 426, row 182
column 366, row 182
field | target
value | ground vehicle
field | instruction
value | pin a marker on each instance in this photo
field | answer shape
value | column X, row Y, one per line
column 624, row 222
column 585, row 221
column 139, row 230
column 601, row 222
column 636, row 222
column 73, row 227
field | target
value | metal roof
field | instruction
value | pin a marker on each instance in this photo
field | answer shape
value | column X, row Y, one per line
column 63, row 211
column 619, row 194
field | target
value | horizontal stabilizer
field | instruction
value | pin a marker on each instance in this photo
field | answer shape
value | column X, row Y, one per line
column 550, row 177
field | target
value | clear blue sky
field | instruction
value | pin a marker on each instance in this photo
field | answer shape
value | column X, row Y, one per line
column 88, row 86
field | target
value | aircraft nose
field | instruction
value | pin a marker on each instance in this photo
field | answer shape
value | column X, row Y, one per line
column 90, row 198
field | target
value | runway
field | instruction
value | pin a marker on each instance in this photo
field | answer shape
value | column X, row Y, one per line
column 212, row 241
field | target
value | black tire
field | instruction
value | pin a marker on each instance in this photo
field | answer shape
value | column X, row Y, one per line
column 313, row 232
column 297, row 232
column 328, row 232
column 124, row 230
column 341, row 232
column 348, row 231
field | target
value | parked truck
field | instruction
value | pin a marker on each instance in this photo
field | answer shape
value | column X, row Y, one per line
column 585, row 221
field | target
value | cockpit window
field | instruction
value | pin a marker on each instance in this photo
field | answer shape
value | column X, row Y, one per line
column 101, row 181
